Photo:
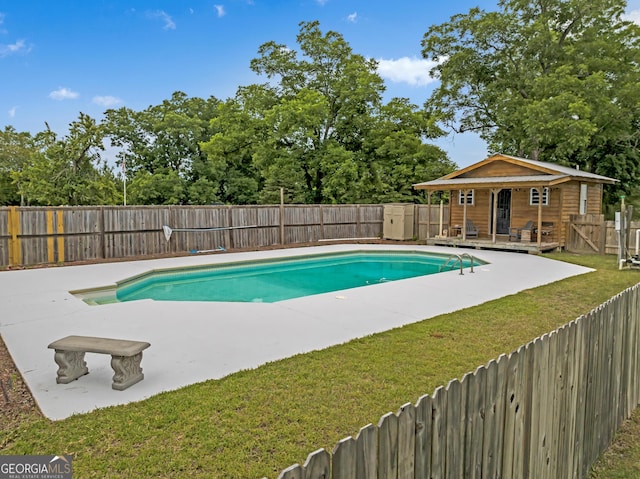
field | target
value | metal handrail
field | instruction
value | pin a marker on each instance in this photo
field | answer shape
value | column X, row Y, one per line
column 458, row 258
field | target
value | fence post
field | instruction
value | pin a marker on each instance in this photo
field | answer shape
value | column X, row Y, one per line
column 51, row 254
column 231, row 244
column 103, row 246
column 172, row 222
column 60, row 234
column 15, row 251
column 282, row 216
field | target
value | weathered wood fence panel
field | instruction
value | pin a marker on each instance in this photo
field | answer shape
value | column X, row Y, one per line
column 34, row 235
column 586, row 234
column 428, row 220
column 547, row 410
column 592, row 234
column 370, row 220
column 135, row 231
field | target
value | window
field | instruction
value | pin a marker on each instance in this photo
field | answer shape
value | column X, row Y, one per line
column 469, row 197
column 534, row 196
column 583, row 198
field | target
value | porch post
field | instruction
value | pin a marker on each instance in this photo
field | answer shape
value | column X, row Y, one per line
column 494, row 225
column 464, row 214
column 428, row 214
column 539, row 235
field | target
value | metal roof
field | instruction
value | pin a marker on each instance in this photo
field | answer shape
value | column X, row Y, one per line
column 533, row 180
column 561, row 169
column 549, row 174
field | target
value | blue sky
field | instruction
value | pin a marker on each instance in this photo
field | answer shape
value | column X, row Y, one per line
column 61, row 58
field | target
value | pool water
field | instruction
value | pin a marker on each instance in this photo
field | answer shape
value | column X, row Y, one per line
column 278, row 280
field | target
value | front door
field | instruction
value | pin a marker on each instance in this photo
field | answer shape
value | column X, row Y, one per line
column 503, row 216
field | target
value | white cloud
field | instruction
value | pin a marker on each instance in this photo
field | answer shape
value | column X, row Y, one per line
column 220, row 10
column 12, row 112
column 63, row 94
column 322, row 3
column 13, row 48
column 632, row 16
column 414, row 71
column 169, row 24
column 353, row 17
column 106, row 101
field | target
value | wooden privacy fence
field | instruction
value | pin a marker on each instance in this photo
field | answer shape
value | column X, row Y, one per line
column 592, row 234
column 34, row 235
column 544, row 411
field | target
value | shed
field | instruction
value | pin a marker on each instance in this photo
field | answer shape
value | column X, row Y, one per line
column 503, row 194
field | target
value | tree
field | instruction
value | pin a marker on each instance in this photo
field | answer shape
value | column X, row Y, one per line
column 15, row 150
column 162, row 139
column 238, row 130
column 325, row 101
column 319, row 130
column 68, row 171
column 398, row 154
column 555, row 80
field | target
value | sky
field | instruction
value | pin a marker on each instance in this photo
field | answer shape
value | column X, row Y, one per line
column 58, row 59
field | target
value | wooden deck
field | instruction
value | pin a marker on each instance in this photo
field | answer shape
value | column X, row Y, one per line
column 500, row 244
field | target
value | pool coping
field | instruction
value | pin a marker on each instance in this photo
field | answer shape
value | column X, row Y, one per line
column 194, row 342
column 92, row 296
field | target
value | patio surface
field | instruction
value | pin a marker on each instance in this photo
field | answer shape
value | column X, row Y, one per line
column 197, row 341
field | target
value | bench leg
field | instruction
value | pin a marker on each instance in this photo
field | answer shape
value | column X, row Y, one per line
column 71, row 365
column 127, row 371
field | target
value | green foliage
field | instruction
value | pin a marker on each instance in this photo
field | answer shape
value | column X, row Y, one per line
column 163, row 187
column 163, row 140
column 67, row 171
column 555, row 80
column 15, row 151
column 320, row 130
column 317, row 129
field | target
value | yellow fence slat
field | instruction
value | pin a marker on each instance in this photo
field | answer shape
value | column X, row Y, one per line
column 50, row 244
column 15, row 250
column 60, row 232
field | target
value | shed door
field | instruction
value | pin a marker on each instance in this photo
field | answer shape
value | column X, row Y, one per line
column 503, row 220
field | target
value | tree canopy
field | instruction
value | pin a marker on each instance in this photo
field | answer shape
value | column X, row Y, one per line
column 554, row 80
column 317, row 127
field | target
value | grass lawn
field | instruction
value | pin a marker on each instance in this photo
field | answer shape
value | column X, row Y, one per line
column 255, row 423
column 622, row 459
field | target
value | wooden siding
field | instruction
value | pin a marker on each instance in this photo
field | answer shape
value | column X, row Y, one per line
column 547, row 410
column 500, row 168
column 594, row 198
column 564, row 201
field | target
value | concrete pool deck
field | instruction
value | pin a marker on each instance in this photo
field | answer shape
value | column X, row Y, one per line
column 196, row 341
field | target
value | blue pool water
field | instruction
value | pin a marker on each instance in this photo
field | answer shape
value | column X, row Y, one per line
column 277, row 280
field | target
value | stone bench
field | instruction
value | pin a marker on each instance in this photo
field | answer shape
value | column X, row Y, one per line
column 126, row 357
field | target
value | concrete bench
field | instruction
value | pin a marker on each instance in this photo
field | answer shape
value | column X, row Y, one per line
column 126, row 357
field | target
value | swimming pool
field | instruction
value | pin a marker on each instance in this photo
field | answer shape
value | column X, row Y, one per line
column 271, row 281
